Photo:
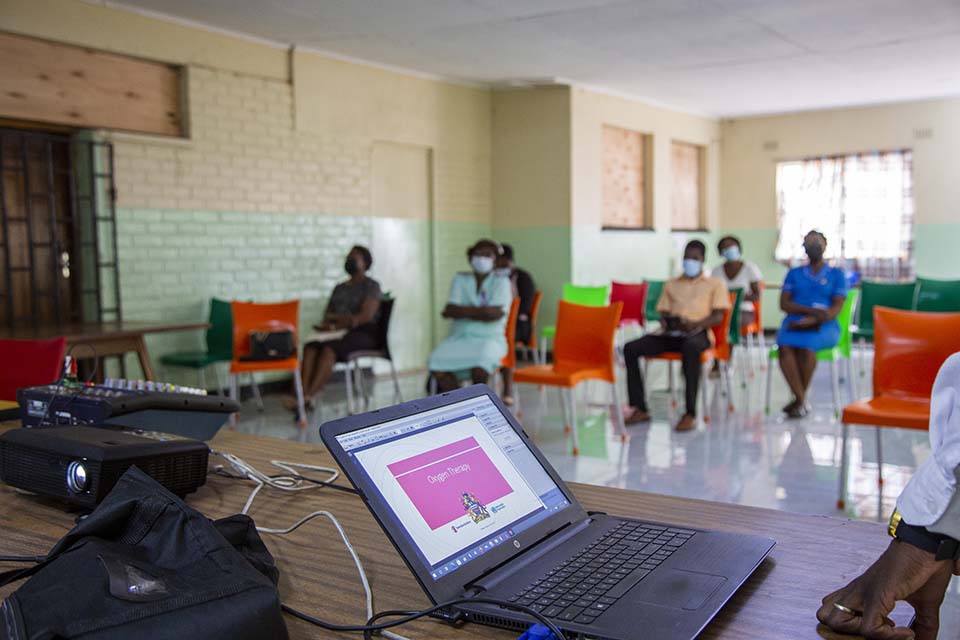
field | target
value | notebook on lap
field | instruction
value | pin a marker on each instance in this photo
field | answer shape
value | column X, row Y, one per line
column 475, row 510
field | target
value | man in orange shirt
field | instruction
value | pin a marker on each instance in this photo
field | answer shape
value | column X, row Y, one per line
column 689, row 305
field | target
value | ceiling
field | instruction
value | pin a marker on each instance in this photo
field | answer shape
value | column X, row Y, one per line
column 716, row 57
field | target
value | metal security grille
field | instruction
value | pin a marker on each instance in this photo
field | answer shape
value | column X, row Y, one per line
column 58, row 238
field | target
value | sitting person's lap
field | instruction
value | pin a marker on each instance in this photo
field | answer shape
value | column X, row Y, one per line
column 824, row 337
column 355, row 340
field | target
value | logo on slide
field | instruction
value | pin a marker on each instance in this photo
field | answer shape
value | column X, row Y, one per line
column 474, row 509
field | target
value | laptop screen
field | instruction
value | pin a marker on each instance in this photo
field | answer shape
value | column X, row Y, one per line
column 458, row 480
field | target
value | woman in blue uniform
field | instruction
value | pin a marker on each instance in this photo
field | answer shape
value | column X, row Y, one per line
column 812, row 297
column 479, row 304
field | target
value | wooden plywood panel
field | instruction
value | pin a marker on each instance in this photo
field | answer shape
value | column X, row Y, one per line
column 626, row 193
column 51, row 82
column 686, row 163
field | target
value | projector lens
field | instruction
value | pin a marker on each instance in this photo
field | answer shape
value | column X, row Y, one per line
column 76, row 477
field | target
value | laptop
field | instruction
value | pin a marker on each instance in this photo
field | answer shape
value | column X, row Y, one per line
column 475, row 510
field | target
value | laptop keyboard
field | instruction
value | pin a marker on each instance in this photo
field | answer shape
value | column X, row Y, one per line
column 584, row 586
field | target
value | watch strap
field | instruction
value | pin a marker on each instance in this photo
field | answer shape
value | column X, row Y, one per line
column 943, row 547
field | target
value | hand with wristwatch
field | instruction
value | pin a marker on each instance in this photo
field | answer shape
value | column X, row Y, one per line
column 916, row 567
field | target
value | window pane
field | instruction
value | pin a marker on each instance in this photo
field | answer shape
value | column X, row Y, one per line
column 625, row 185
column 687, row 171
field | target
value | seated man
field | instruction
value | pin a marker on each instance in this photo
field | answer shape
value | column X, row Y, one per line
column 479, row 304
column 689, row 306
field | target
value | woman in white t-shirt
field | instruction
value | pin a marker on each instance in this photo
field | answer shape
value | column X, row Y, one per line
column 738, row 273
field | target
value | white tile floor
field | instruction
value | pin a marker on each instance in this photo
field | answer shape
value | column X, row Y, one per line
column 742, row 456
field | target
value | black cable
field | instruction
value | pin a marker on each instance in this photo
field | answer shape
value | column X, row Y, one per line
column 60, row 383
column 24, row 559
column 425, row 612
column 368, row 635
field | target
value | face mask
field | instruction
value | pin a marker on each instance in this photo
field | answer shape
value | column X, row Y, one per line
column 351, row 266
column 731, row 254
column 814, row 252
column 692, row 268
column 481, row 264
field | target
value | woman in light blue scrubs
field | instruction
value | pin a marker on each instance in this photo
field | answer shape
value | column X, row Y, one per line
column 479, row 304
column 812, row 297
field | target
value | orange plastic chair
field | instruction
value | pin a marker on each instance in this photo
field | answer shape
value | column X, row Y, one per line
column 582, row 350
column 909, row 348
column 530, row 346
column 252, row 316
column 510, row 360
column 720, row 351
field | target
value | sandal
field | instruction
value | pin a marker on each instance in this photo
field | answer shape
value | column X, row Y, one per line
column 508, row 400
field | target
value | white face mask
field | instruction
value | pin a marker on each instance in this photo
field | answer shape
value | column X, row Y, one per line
column 481, row 264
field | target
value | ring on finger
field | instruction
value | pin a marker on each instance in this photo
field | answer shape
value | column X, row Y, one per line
column 852, row 612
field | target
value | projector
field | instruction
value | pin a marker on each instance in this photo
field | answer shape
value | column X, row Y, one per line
column 81, row 464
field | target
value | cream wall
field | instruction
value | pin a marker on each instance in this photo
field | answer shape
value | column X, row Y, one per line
column 601, row 256
column 275, row 182
column 532, row 184
column 748, row 201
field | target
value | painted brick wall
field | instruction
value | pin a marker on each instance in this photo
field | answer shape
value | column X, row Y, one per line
column 250, row 208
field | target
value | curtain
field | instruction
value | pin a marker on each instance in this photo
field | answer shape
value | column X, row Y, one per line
column 863, row 203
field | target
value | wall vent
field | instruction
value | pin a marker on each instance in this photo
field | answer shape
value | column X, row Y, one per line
column 771, row 145
column 923, row 133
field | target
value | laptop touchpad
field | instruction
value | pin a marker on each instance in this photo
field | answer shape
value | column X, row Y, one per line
column 678, row 589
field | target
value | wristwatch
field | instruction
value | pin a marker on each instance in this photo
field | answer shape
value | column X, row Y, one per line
column 941, row 546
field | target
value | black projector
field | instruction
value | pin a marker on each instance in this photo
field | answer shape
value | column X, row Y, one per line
column 80, row 464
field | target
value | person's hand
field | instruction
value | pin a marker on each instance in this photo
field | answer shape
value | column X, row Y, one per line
column 805, row 323
column 820, row 315
column 903, row 572
column 491, row 313
column 689, row 327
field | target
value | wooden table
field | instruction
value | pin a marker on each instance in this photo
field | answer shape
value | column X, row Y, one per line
column 814, row 555
column 107, row 338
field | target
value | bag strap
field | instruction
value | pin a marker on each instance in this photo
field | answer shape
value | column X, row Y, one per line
column 13, row 575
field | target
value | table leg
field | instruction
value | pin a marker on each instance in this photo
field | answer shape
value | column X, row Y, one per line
column 144, row 359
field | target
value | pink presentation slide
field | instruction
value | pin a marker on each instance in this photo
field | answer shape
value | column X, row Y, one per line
column 451, row 481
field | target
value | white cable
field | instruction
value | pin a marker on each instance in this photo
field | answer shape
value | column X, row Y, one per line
column 295, row 483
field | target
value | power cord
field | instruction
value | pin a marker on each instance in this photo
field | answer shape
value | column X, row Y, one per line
column 23, row 559
column 295, row 482
column 367, row 628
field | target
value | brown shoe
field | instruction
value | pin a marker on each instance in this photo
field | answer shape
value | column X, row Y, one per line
column 687, row 423
column 637, row 417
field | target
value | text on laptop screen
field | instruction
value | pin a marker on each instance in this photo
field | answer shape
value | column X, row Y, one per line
column 458, row 480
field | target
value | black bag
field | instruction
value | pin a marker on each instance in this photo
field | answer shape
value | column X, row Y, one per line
column 271, row 345
column 144, row 565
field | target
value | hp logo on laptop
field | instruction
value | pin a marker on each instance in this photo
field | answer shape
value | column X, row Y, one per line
column 516, row 543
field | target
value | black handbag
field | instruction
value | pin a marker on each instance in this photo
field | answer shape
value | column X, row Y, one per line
column 271, row 345
column 145, row 565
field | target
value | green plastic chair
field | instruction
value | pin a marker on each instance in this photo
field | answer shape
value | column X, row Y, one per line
column 587, row 296
column 219, row 341
column 894, row 295
column 937, row 295
column 735, row 337
column 843, row 351
column 654, row 289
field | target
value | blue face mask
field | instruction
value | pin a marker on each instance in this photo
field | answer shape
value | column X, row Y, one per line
column 731, row 253
column 692, row 268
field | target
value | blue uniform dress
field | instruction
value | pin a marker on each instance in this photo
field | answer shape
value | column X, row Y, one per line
column 473, row 343
column 818, row 291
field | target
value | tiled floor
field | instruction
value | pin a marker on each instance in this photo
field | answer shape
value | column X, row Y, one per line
column 743, row 456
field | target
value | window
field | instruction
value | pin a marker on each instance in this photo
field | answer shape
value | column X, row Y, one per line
column 863, row 203
column 626, row 183
column 687, row 169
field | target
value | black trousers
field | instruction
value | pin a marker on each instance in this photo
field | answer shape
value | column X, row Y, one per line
column 689, row 347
